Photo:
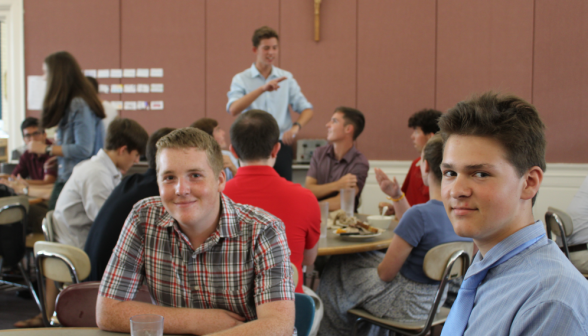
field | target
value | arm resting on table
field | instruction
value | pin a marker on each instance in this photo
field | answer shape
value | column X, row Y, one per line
column 273, row 318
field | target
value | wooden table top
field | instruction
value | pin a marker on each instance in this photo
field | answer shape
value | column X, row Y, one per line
column 35, row 200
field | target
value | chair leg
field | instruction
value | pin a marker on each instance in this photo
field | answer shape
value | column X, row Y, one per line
column 356, row 325
column 29, row 284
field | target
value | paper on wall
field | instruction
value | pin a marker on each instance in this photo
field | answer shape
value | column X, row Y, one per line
column 143, row 88
column 142, row 105
column 130, row 88
column 157, row 87
column 35, row 92
column 129, row 73
column 143, row 73
column 90, row 73
column 156, row 72
column 115, row 73
column 103, row 88
column 130, row 105
column 157, row 105
column 118, row 105
column 116, row 88
column 103, row 73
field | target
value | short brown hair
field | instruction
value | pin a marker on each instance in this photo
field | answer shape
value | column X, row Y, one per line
column 206, row 124
column 152, row 142
column 254, row 135
column 510, row 120
column 190, row 137
column 263, row 33
column 433, row 154
column 126, row 132
column 354, row 117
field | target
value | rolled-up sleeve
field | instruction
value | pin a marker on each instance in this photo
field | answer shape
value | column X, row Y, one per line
column 84, row 132
column 237, row 91
column 296, row 98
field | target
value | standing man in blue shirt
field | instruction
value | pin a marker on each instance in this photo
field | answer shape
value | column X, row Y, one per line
column 520, row 283
column 266, row 87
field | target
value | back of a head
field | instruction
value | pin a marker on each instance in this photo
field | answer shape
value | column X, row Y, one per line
column 262, row 33
column 433, row 154
column 190, row 137
column 205, row 124
column 126, row 132
column 30, row 122
column 65, row 81
column 254, row 134
column 510, row 120
column 151, row 144
column 354, row 117
column 426, row 119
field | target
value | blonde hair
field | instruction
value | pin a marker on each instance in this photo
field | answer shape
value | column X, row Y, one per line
column 190, row 137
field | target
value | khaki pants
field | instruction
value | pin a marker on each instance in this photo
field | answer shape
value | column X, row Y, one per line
column 580, row 260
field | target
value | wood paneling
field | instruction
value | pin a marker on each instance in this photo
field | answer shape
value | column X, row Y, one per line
column 482, row 46
column 229, row 27
column 396, row 71
column 561, row 77
column 326, row 70
column 168, row 35
column 89, row 30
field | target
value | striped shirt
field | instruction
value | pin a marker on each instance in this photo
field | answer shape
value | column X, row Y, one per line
column 243, row 264
column 536, row 292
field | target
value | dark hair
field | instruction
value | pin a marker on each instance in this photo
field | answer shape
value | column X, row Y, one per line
column 425, row 119
column 30, row 122
column 65, row 82
column 263, row 33
column 205, row 124
column 510, row 120
column 254, row 134
column 151, row 148
column 354, row 117
column 433, row 154
column 126, row 132
column 94, row 82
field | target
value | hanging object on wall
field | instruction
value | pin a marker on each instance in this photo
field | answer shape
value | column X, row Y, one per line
column 317, row 20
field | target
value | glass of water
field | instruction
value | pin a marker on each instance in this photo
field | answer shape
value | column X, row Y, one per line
column 348, row 201
column 147, row 325
column 324, row 205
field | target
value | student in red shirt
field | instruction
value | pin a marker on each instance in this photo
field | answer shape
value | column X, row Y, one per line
column 424, row 125
column 254, row 141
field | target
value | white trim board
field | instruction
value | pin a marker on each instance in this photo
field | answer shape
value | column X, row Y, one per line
column 560, row 183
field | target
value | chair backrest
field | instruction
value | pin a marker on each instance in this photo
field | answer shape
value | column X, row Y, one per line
column 9, row 212
column 62, row 263
column 304, row 314
column 438, row 258
column 553, row 216
column 48, row 227
column 76, row 304
column 13, row 222
column 294, row 274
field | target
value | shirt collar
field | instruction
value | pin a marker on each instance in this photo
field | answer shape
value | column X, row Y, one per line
column 348, row 157
column 255, row 72
column 107, row 161
column 257, row 170
column 508, row 244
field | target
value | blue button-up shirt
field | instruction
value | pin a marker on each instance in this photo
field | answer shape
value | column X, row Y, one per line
column 275, row 102
column 537, row 292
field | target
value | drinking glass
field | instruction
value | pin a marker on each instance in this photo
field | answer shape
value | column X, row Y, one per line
column 348, row 200
column 324, row 205
column 147, row 325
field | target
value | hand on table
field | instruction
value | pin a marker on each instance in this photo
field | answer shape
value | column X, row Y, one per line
column 390, row 210
column 348, row 181
column 17, row 184
column 273, row 85
column 36, row 147
column 388, row 186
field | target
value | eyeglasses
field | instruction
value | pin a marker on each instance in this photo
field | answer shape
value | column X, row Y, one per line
column 30, row 135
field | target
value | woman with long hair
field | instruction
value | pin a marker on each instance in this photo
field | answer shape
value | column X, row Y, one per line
column 71, row 104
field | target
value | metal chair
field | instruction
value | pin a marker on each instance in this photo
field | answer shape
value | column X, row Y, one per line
column 442, row 263
column 60, row 263
column 48, row 227
column 13, row 222
column 560, row 223
column 76, row 304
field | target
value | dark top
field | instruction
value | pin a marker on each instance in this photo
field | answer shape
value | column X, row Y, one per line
column 31, row 165
column 109, row 222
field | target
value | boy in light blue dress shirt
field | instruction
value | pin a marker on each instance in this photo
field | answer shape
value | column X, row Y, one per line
column 520, row 283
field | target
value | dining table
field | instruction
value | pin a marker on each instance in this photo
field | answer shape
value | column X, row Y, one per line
column 61, row 332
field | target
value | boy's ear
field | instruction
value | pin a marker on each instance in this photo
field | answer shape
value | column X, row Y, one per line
column 122, row 150
column 426, row 166
column 532, row 182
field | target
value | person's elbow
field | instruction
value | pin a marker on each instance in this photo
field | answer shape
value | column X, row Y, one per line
column 233, row 109
column 384, row 276
column 104, row 312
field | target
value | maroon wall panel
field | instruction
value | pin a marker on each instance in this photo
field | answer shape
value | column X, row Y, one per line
column 88, row 29
column 229, row 27
column 168, row 35
column 326, row 70
column 396, row 71
column 481, row 46
column 561, row 77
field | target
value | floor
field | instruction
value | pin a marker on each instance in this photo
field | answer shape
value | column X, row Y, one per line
column 14, row 308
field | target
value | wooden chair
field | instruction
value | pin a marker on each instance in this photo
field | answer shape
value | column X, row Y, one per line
column 60, row 263
column 13, row 222
column 560, row 223
column 442, row 263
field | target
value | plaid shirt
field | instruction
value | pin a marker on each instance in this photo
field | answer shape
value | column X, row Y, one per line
column 244, row 263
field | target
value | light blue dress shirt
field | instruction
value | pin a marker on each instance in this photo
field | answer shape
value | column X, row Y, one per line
column 537, row 292
column 276, row 102
column 80, row 134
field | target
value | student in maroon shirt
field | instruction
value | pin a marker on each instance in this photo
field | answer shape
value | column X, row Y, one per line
column 35, row 167
column 424, row 125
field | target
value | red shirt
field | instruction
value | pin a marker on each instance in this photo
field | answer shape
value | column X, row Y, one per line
column 31, row 165
column 413, row 187
column 296, row 206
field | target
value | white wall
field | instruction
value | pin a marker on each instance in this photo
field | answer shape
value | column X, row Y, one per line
column 560, row 184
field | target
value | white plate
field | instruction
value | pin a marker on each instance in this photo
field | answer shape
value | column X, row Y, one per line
column 357, row 237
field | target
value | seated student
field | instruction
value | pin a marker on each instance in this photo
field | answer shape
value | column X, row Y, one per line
column 339, row 164
column 93, row 180
column 109, row 222
column 424, row 125
column 211, row 264
column 519, row 283
column 577, row 241
column 210, row 126
column 255, row 141
column 35, row 166
column 391, row 285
